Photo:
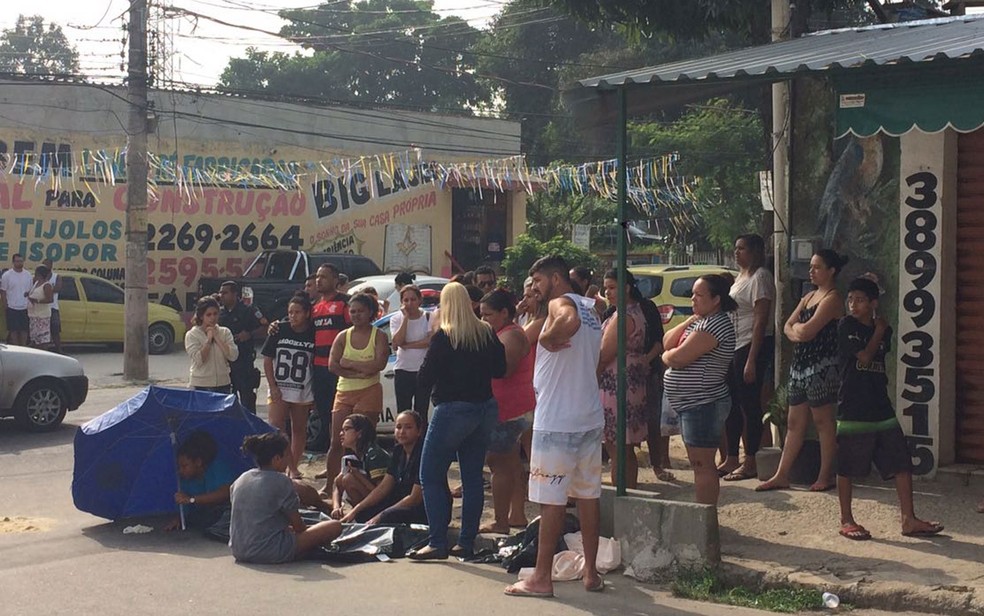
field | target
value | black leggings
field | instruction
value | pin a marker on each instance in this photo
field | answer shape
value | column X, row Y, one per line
column 746, row 399
column 409, row 395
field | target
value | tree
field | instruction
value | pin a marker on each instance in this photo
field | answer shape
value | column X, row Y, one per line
column 550, row 213
column 527, row 249
column 696, row 19
column 721, row 144
column 372, row 51
column 32, row 48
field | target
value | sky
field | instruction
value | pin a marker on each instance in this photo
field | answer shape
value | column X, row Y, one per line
column 202, row 50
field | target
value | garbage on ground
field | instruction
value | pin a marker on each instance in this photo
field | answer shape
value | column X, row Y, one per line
column 137, row 529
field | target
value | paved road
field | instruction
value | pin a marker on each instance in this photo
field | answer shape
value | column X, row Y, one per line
column 74, row 561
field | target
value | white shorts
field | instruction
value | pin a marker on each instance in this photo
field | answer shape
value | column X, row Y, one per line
column 565, row 465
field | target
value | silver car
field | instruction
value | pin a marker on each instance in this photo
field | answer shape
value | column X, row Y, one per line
column 39, row 387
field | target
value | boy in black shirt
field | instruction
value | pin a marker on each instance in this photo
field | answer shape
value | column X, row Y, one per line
column 867, row 428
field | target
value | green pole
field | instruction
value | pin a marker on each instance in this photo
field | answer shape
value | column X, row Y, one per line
column 620, row 141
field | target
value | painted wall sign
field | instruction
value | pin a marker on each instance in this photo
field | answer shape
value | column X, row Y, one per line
column 918, row 367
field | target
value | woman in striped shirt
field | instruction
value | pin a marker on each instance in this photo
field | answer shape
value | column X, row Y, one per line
column 698, row 354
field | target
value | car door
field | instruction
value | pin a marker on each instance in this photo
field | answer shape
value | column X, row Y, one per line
column 104, row 308
column 71, row 308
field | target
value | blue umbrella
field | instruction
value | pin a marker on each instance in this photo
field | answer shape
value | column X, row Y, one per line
column 125, row 459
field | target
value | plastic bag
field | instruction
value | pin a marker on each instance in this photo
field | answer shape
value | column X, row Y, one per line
column 567, row 566
column 669, row 421
column 609, row 551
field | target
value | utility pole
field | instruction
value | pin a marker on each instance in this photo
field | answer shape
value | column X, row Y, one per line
column 781, row 128
column 135, row 362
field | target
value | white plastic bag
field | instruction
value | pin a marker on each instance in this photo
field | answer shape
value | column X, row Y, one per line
column 669, row 421
column 609, row 551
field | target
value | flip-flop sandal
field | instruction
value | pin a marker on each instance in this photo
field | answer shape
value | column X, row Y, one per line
column 933, row 530
column 740, row 475
column 724, row 471
column 665, row 475
column 513, row 592
column 599, row 587
column 822, row 488
column 767, row 487
column 855, row 532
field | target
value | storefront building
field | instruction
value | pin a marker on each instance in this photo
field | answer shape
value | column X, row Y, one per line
column 886, row 165
column 234, row 176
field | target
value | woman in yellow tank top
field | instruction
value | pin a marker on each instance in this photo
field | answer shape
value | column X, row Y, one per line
column 358, row 355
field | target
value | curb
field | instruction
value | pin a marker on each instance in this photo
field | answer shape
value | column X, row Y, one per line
column 953, row 600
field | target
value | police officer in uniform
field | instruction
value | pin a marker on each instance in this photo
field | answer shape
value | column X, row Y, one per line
column 242, row 321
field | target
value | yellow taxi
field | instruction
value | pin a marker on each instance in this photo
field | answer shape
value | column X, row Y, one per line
column 670, row 287
column 91, row 310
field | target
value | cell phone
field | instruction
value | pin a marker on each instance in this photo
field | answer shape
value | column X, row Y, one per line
column 353, row 462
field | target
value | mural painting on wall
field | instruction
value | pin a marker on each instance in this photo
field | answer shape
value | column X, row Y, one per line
column 845, row 194
column 203, row 232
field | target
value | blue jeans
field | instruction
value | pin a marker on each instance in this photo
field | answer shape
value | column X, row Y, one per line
column 702, row 426
column 456, row 429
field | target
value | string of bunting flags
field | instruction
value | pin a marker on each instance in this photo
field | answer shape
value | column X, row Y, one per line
column 653, row 183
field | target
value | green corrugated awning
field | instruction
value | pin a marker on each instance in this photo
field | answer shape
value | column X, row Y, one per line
column 928, row 102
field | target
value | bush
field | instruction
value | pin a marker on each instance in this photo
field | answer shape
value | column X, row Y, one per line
column 527, row 249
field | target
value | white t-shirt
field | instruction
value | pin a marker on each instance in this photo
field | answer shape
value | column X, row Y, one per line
column 746, row 291
column 410, row 359
column 16, row 284
column 566, row 381
column 54, row 295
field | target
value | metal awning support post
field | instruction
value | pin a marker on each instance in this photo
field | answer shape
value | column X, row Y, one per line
column 620, row 155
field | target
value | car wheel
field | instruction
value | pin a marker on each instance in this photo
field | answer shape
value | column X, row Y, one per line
column 318, row 431
column 40, row 406
column 161, row 339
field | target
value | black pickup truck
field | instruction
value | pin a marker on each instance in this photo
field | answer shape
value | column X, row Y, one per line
column 275, row 275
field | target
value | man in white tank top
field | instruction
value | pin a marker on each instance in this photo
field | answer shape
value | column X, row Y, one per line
column 565, row 461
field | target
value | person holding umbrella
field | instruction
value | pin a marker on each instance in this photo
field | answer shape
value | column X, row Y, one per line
column 211, row 348
column 204, row 483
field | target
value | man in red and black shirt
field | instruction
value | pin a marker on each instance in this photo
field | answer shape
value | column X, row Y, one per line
column 330, row 315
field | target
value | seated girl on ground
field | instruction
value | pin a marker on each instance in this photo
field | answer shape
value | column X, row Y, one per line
column 397, row 498
column 363, row 468
column 203, row 489
column 266, row 527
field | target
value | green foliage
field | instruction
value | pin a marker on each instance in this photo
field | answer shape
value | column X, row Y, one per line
column 707, row 585
column 527, row 249
column 372, row 51
column 724, row 146
column 551, row 214
column 696, row 19
column 33, row 48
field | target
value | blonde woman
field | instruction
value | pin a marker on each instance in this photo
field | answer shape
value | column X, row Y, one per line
column 463, row 357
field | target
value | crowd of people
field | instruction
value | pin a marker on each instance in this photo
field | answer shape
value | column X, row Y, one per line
column 31, row 305
column 534, row 378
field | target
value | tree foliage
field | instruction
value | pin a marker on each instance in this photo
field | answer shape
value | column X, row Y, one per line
column 371, row 51
column 695, row 19
column 722, row 145
column 527, row 249
column 34, row 48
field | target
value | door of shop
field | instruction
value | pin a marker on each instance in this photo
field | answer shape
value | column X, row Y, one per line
column 970, row 298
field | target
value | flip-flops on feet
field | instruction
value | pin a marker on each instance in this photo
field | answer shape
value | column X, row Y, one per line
column 822, row 487
column 599, row 587
column 769, row 487
column 516, row 591
column 855, row 532
column 726, row 471
column 665, row 475
column 740, row 474
column 930, row 530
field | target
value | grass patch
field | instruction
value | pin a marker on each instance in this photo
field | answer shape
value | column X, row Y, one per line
column 707, row 585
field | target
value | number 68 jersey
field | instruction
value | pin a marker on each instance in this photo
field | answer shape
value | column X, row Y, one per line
column 292, row 353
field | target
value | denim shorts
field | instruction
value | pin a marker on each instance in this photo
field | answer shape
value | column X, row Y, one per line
column 702, row 426
column 506, row 434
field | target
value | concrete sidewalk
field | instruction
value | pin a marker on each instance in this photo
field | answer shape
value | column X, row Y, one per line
column 791, row 537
